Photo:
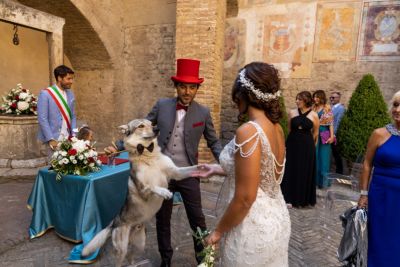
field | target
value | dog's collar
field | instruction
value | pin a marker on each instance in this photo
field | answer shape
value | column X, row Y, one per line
column 140, row 148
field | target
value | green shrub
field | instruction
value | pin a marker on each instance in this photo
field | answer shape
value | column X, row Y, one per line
column 284, row 120
column 367, row 111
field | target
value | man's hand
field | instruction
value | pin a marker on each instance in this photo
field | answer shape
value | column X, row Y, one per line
column 206, row 170
column 53, row 144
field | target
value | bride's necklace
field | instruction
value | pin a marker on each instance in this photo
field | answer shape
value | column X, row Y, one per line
column 392, row 129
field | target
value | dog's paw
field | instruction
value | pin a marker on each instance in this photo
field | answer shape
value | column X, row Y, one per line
column 164, row 192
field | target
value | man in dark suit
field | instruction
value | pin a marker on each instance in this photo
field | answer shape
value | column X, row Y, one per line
column 182, row 122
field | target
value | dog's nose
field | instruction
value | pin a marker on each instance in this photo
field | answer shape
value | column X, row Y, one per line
column 156, row 130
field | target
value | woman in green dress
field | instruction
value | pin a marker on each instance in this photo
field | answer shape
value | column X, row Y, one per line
column 325, row 138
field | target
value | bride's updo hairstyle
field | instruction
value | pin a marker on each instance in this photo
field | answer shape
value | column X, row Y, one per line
column 258, row 85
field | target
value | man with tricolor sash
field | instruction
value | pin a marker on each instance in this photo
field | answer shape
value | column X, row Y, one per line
column 55, row 108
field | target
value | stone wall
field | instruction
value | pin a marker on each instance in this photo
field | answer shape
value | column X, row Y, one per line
column 199, row 34
column 26, row 63
column 123, row 55
column 245, row 41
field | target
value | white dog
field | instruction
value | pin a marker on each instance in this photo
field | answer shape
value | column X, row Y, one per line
column 148, row 186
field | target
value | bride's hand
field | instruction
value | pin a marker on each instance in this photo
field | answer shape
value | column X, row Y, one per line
column 213, row 238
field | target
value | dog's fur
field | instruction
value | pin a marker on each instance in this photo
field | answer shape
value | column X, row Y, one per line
column 148, row 186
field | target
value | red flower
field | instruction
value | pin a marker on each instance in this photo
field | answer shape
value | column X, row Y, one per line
column 72, row 152
column 13, row 105
column 91, row 159
column 17, row 97
column 33, row 99
column 24, row 90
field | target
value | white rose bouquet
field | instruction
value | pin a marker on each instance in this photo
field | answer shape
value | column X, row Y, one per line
column 208, row 253
column 19, row 101
column 74, row 156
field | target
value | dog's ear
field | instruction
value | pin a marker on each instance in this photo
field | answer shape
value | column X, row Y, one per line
column 124, row 129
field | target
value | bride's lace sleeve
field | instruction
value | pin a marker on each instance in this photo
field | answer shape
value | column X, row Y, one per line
column 239, row 147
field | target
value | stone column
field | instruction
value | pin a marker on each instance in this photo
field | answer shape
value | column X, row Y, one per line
column 56, row 55
column 200, row 34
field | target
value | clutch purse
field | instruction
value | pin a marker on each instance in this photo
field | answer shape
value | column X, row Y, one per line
column 325, row 136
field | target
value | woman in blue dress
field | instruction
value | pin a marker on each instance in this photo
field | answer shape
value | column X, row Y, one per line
column 325, row 138
column 383, row 195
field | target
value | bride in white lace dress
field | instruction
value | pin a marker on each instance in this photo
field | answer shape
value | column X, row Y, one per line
column 256, row 222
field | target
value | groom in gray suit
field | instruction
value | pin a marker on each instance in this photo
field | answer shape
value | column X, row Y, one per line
column 182, row 122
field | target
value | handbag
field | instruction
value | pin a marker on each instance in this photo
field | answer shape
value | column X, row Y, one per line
column 324, row 136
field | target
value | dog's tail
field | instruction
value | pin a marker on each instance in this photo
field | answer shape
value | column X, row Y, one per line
column 97, row 241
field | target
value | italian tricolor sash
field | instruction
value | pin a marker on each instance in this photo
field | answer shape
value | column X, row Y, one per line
column 61, row 104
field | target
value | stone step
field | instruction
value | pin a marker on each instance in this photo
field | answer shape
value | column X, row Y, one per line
column 17, row 175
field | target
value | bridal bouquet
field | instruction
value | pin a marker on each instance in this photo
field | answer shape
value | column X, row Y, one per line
column 19, row 101
column 74, row 156
column 208, row 252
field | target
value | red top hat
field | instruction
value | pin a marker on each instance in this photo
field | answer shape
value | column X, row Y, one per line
column 187, row 71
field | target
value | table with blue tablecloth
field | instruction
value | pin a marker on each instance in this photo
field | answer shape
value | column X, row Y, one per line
column 78, row 207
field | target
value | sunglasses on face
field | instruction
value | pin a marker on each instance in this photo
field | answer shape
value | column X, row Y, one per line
column 333, row 97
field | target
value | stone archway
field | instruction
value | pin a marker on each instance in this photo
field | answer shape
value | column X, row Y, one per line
column 82, row 44
column 90, row 58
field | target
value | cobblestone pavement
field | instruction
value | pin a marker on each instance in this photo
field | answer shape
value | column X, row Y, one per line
column 315, row 234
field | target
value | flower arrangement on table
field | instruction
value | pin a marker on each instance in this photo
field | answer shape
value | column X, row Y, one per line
column 208, row 253
column 74, row 156
column 19, row 101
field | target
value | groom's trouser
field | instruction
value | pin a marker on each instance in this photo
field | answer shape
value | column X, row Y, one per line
column 190, row 192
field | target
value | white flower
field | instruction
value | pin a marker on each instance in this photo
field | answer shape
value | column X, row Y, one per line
column 85, row 161
column 66, row 161
column 63, row 153
column 80, row 157
column 79, row 145
column 74, row 139
column 23, row 95
column 98, row 162
column 22, row 105
column 86, row 155
column 74, row 161
column 61, row 162
column 202, row 265
column 8, row 111
column 71, row 158
column 55, row 154
column 91, row 165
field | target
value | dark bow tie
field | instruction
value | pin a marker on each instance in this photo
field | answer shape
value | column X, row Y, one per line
column 140, row 148
column 180, row 106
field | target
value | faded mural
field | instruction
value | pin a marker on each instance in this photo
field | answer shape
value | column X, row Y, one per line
column 288, row 41
column 234, row 43
column 380, row 31
column 336, row 31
